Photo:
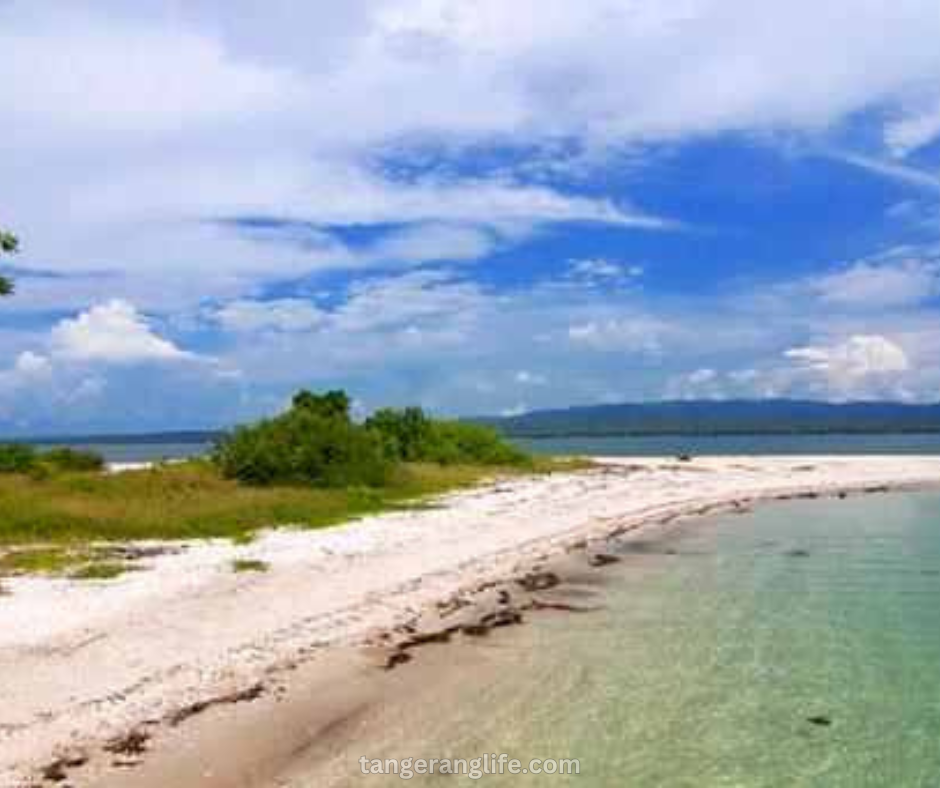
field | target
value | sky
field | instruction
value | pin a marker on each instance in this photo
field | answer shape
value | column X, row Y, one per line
column 479, row 207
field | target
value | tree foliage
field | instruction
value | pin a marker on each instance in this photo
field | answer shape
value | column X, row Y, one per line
column 332, row 405
column 316, row 442
column 22, row 458
column 8, row 245
column 410, row 435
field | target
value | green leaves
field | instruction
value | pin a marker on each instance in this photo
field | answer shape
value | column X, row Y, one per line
column 9, row 244
column 317, row 443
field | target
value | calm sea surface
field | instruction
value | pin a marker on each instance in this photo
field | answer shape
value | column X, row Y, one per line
column 795, row 646
column 649, row 446
column 738, row 444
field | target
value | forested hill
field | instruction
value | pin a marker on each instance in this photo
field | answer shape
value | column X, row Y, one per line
column 709, row 417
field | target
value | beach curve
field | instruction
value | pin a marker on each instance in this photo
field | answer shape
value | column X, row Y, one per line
column 84, row 665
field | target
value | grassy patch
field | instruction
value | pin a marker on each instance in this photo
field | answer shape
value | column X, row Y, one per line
column 249, row 565
column 77, row 563
column 40, row 560
column 100, row 570
column 192, row 500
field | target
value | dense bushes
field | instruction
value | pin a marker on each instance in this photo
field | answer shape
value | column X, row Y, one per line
column 317, row 442
column 17, row 458
column 68, row 459
column 21, row 458
column 314, row 442
column 406, row 434
column 460, row 442
column 409, row 435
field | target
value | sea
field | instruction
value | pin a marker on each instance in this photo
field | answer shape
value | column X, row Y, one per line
column 929, row 443
column 796, row 645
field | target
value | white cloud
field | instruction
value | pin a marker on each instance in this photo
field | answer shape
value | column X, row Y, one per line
column 915, row 129
column 518, row 409
column 100, row 75
column 629, row 334
column 704, row 383
column 893, row 170
column 29, row 364
column 427, row 298
column 858, row 365
column 886, row 283
column 434, row 243
column 113, row 333
column 525, row 378
column 286, row 315
column 140, row 125
column 701, row 376
column 600, row 271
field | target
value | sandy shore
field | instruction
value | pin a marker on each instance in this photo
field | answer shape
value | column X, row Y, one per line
column 82, row 665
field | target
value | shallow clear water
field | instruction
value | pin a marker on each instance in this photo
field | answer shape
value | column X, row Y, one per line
column 717, row 644
column 665, row 445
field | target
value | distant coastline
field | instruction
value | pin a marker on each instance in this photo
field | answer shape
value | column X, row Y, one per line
column 683, row 418
column 723, row 418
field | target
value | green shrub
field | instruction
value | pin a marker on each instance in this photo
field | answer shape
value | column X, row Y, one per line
column 406, row 434
column 306, row 445
column 411, row 436
column 332, row 405
column 473, row 444
column 17, row 458
column 21, row 458
column 317, row 443
column 67, row 459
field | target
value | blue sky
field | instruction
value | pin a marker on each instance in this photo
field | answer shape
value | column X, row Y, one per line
column 480, row 207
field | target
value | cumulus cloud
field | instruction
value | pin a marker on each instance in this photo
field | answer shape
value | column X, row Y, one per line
column 108, row 368
column 115, row 333
column 858, row 365
column 856, row 357
column 29, row 364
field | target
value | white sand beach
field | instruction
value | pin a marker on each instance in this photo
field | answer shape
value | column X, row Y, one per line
column 84, row 663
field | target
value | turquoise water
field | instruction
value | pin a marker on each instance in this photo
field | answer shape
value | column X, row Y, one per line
column 665, row 445
column 717, row 645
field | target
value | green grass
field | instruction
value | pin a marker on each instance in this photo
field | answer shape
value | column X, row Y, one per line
column 100, row 570
column 40, row 560
column 192, row 500
column 78, row 563
column 249, row 565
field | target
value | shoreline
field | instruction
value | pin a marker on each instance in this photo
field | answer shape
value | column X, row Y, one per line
column 215, row 638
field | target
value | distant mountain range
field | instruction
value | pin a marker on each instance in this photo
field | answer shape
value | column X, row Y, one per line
column 683, row 417
column 726, row 417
